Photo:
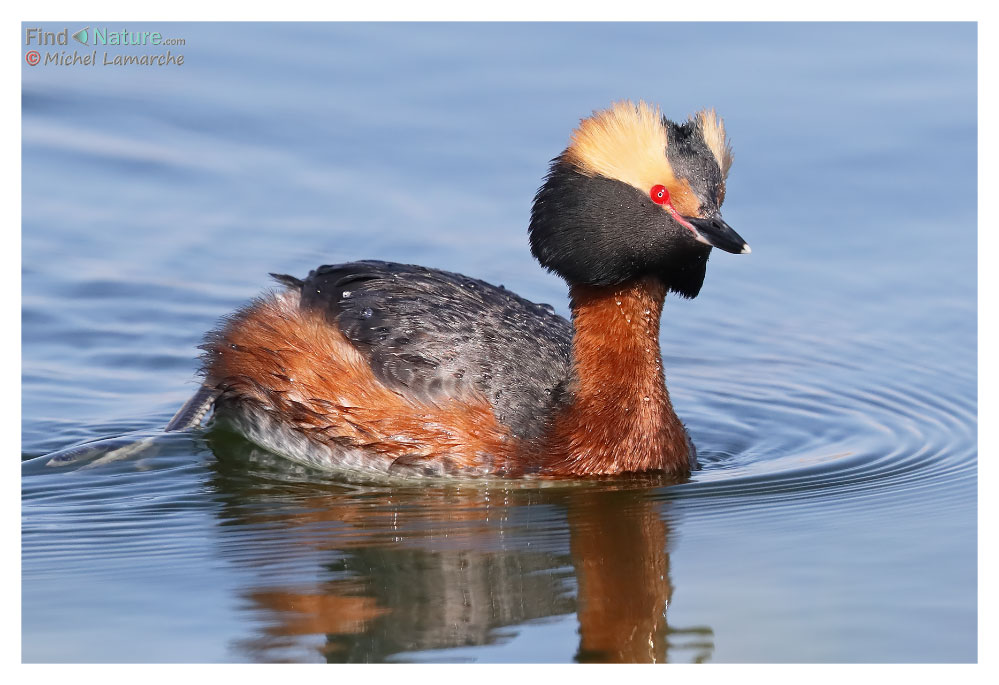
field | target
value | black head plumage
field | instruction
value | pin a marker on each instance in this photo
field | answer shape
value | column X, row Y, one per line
column 600, row 231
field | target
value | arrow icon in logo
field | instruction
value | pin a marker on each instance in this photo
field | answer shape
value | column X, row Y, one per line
column 81, row 35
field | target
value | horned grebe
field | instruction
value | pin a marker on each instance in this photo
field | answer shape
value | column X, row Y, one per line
column 392, row 367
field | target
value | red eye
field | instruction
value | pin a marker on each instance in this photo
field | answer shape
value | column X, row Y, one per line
column 659, row 195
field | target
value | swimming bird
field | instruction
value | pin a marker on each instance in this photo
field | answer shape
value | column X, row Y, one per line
column 399, row 368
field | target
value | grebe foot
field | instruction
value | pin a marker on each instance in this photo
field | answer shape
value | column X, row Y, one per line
column 99, row 452
column 193, row 412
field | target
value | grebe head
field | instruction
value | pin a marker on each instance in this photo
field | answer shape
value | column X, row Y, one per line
column 634, row 195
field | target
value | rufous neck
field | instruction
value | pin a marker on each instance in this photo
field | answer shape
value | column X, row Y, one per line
column 620, row 417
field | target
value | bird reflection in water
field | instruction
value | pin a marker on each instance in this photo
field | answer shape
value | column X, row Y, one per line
column 369, row 574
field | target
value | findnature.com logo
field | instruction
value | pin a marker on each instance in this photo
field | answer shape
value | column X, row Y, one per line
column 100, row 36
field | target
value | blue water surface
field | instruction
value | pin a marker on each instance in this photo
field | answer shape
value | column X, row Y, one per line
column 828, row 379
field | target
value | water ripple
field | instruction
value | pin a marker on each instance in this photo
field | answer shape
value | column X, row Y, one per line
column 828, row 425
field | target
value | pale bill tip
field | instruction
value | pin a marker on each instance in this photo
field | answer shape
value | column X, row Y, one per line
column 746, row 249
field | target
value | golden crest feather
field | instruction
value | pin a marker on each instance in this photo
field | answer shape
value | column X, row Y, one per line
column 713, row 129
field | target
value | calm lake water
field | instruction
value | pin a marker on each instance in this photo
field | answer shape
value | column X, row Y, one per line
column 828, row 379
